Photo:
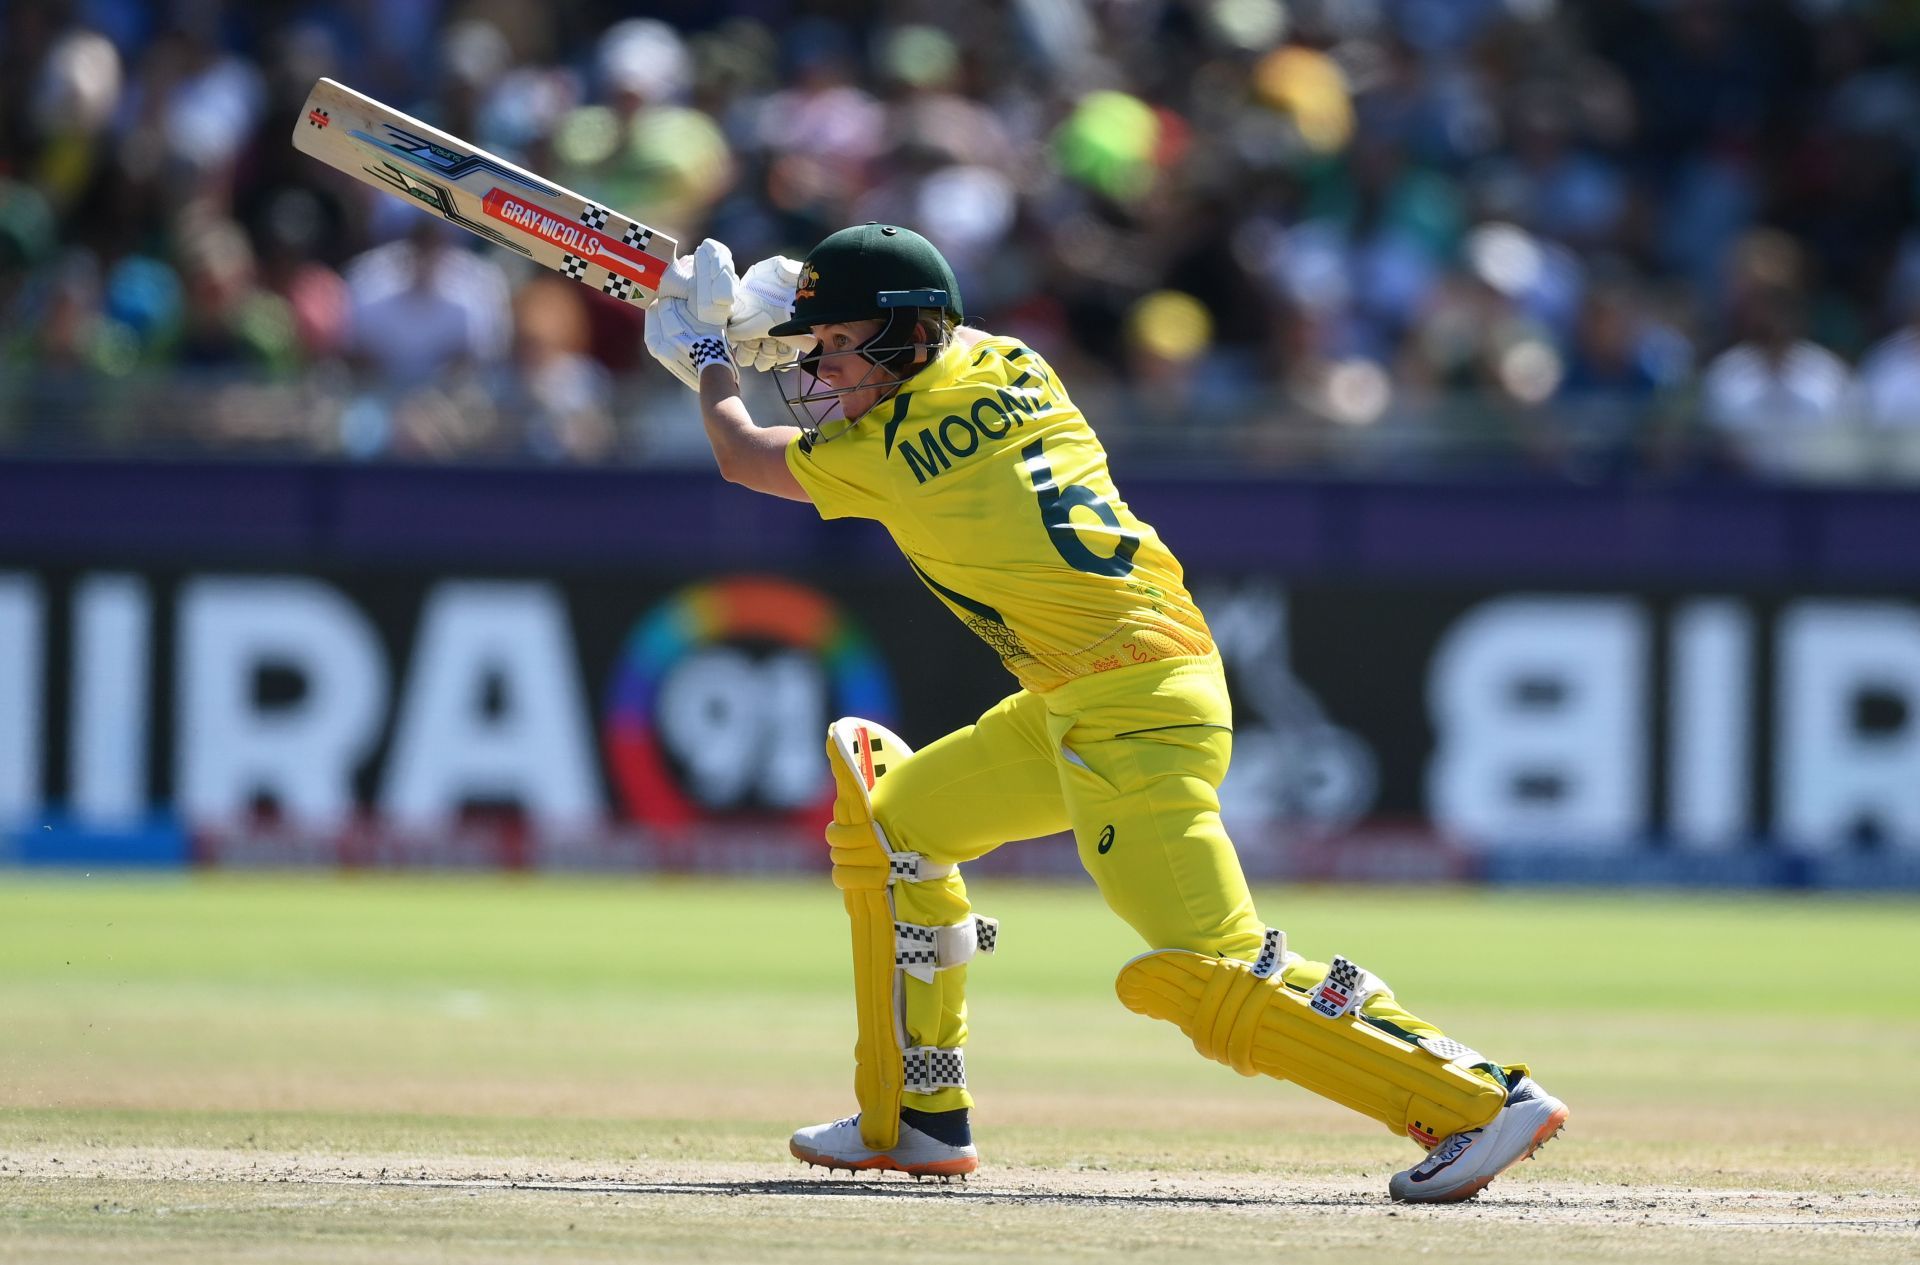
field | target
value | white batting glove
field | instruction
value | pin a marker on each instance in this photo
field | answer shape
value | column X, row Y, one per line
column 705, row 280
column 765, row 299
column 683, row 342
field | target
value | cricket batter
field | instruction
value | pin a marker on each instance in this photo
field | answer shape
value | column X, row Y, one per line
column 968, row 449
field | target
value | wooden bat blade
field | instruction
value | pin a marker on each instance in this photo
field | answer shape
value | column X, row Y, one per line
column 486, row 195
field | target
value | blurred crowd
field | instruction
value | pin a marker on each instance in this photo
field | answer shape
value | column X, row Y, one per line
column 1597, row 238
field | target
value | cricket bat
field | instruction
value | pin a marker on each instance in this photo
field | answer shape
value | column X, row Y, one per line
column 505, row 204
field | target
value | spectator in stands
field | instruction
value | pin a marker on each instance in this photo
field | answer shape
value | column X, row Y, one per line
column 820, row 132
column 1889, row 399
column 642, row 146
column 424, row 305
column 315, row 294
column 1776, row 402
column 1623, row 370
column 561, row 399
column 64, row 343
column 1890, row 378
column 1319, row 161
column 231, row 321
column 1616, row 354
column 74, row 100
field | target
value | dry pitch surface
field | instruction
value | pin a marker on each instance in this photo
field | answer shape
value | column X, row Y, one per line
column 399, row 1071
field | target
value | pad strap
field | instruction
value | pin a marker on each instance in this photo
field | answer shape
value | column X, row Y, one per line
column 1447, row 1050
column 1345, row 989
column 911, row 867
column 930, row 1068
column 1273, row 954
column 920, row 951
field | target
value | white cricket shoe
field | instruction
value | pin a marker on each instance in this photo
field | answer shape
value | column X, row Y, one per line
column 1463, row 1163
column 839, row 1145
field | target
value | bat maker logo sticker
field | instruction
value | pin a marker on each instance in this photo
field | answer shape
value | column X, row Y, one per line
column 609, row 252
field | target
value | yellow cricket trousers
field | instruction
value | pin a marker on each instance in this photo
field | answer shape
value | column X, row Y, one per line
column 1131, row 761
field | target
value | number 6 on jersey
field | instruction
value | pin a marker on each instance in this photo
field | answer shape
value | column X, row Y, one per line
column 1056, row 511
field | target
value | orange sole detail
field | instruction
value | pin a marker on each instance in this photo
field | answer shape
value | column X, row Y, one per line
column 886, row 1163
column 1548, row 1130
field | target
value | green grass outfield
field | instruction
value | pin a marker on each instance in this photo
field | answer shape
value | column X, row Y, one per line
column 369, row 1068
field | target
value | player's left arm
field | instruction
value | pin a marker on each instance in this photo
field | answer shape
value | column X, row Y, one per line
column 752, row 455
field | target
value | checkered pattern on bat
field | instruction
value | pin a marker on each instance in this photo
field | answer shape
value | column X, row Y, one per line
column 593, row 216
column 619, row 287
column 640, row 238
column 574, row 266
column 927, row 1068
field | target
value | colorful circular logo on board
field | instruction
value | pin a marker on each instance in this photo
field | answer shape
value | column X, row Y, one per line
column 707, row 624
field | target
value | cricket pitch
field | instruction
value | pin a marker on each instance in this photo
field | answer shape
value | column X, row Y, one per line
column 398, row 1070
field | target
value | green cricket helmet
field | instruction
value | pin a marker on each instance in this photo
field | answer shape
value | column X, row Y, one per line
column 867, row 271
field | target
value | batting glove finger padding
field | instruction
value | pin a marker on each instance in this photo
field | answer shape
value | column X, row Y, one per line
column 764, row 299
column 768, row 353
column 714, row 283
column 705, row 280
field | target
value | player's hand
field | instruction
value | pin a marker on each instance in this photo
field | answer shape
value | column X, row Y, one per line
column 705, row 281
column 683, row 342
column 765, row 299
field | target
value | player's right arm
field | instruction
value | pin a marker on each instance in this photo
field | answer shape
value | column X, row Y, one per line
column 749, row 454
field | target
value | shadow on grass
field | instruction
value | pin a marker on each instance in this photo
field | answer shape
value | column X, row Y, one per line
column 878, row 1188
column 904, row 1187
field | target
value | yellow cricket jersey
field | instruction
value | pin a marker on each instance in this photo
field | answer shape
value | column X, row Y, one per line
column 996, row 489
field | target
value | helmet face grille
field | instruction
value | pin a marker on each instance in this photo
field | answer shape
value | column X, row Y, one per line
column 890, row 357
